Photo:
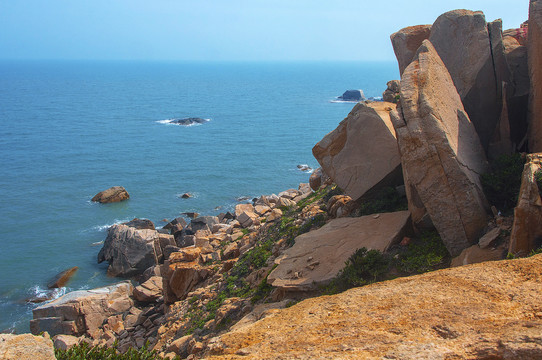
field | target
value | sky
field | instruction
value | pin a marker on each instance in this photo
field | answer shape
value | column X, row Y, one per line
column 223, row 30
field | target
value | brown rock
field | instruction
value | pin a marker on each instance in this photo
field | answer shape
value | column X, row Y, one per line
column 185, row 255
column 274, row 215
column 407, row 41
column 471, row 69
column 284, row 202
column 441, row 155
column 129, row 251
column 319, row 178
column 241, row 208
column 82, row 312
column 65, row 342
column 475, row 255
column 247, row 218
column 180, row 346
column 518, row 63
column 318, row 256
column 231, row 251
column 339, row 206
column 62, row 279
column 140, row 224
column 482, row 311
column 150, row 290
column 527, row 229
column 349, row 156
column 180, row 279
column 391, row 94
column 26, row 347
column 111, row 195
column 535, row 72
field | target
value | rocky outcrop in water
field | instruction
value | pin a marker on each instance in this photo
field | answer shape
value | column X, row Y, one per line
column 352, row 95
column 188, row 121
column 111, row 195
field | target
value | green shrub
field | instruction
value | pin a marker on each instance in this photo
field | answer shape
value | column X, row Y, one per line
column 362, row 268
column 538, row 179
column 85, row 352
column 425, row 253
column 501, row 185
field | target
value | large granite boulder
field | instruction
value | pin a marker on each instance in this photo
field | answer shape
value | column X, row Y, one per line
column 362, row 151
column 181, row 273
column 526, row 232
column 462, row 40
column 535, row 72
column 26, row 347
column 111, row 195
column 82, row 312
column 407, row 41
column 129, row 251
column 318, row 256
column 440, row 152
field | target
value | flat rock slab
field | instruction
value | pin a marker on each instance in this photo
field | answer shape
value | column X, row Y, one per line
column 482, row 311
column 318, row 256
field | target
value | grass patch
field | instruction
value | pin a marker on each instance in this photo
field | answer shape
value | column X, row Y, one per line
column 501, row 185
column 425, row 253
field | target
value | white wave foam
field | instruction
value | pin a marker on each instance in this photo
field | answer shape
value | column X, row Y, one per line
column 344, row 101
column 107, row 226
column 41, row 293
column 97, row 243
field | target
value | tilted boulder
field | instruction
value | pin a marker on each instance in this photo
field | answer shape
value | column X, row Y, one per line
column 441, row 154
column 527, row 229
column 82, row 312
column 348, row 154
column 111, row 195
column 462, row 40
column 180, row 278
column 129, row 251
column 318, row 256
column 535, row 72
column 407, row 41
column 26, row 347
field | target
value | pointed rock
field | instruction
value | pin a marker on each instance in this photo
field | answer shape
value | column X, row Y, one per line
column 407, row 41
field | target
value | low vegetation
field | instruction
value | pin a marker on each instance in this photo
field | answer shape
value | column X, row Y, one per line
column 385, row 200
column 84, row 351
column 501, row 184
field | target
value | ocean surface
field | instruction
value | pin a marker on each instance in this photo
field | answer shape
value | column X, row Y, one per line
column 71, row 129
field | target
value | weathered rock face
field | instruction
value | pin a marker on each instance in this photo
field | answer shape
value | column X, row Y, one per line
column 348, row 154
column 111, row 195
column 82, row 312
column 471, row 69
column 352, row 95
column 180, row 278
column 62, row 279
column 150, row 290
column 391, row 94
column 482, row 311
column 129, row 251
column 26, row 347
column 518, row 63
column 526, row 232
column 407, row 41
column 318, row 256
column 441, row 154
column 535, row 72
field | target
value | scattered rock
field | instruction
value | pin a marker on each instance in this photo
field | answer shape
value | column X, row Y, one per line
column 26, row 347
column 475, row 254
column 352, row 95
column 149, row 291
column 349, row 156
column 62, row 279
column 339, row 206
column 111, row 195
column 186, row 196
column 318, row 179
column 489, row 238
column 329, row 247
column 440, row 152
column 140, row 224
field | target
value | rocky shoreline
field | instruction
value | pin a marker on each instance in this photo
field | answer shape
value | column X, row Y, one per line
column 247, row 284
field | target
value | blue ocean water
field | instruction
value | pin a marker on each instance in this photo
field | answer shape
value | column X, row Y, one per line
column 71, row 129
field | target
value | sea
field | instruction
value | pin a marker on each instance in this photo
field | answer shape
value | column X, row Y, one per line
column 70, row 129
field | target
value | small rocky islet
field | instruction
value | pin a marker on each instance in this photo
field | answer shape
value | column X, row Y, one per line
column 399, row 178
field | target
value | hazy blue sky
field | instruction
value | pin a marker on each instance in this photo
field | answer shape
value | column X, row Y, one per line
column 222, row 29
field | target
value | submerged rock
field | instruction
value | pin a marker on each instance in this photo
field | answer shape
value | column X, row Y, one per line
column 62, row 278
column 188, row 121
column 111, row 195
